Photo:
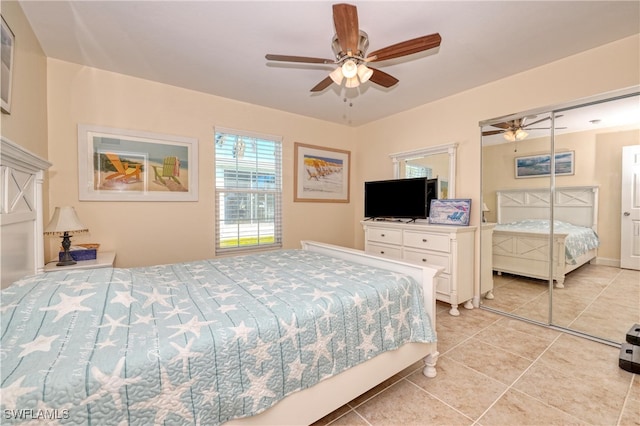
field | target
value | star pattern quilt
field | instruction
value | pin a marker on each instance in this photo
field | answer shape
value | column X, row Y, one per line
column 194, row 343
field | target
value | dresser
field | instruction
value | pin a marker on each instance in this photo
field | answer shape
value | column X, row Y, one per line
column 449, row 247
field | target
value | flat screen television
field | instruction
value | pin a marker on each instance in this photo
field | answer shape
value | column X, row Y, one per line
column 399, row 198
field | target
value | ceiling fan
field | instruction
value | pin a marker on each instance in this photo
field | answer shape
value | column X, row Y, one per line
column 514, row 130
column 350, row 48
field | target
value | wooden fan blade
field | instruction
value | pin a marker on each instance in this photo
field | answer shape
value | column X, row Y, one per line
column 288, row 58
column 322, row 85
column 382, row 78
column 492, row 132
column 406, row 48
column 502, row 125
column 345, row 19
column 536, row 122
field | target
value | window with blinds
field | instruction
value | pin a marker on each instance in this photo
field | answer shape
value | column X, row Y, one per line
column 413, row 171
column 248, row 191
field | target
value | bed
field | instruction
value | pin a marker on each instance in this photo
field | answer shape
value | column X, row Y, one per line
column 521, row 238
column 282, row 337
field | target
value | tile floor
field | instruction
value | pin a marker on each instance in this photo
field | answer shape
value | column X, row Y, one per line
column 495, row 370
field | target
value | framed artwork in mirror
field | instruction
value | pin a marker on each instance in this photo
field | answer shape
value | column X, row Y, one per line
column 540, row 165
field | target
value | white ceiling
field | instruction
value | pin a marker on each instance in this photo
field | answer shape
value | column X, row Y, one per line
column 219, row 47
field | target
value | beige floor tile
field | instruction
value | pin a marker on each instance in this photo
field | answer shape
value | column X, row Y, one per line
column 513, row 340
column 461, row 387
column 333, row 416
column 406, row 404
column 516, row 408
column 492, row 361
column 350, row 419
column 588, row 400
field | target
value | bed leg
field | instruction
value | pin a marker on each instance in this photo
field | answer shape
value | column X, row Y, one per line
column 430, row 360
column 489, row 295
column 560, row 283
column 468, row 304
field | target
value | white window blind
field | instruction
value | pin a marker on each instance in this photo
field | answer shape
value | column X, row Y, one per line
column 413, row 171
column 248, row 191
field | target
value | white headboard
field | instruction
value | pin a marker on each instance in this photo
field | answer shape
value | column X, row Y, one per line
column 577, row 205
column 21, row 215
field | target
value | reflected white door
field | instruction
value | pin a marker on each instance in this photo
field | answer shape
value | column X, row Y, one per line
column 630, row 220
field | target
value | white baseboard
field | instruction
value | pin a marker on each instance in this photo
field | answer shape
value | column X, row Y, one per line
column 603, row 261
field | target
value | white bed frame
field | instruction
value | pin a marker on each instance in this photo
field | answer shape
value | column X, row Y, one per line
column 527, row 254
column 21, row 212
column 22, row 254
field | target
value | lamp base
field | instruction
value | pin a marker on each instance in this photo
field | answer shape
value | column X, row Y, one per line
column 66, row 256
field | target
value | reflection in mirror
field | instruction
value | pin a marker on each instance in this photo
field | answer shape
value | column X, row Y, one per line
column 516, row 192
column 595, row 267
column 434, row 162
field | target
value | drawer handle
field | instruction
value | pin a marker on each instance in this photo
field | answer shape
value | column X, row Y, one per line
column 382, row 235
column 424, row 240
column 381, row 252
column 424, row 260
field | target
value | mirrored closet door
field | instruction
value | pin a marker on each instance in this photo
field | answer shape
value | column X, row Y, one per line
column 552, row 184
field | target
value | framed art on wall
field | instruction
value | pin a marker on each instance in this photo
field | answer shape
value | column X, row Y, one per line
column 540, row 165
column 450, row 212
column 128, row 165
column 6, row 78
column 321, row 174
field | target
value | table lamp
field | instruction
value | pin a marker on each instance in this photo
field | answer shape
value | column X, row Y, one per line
column 484, row 209
column 64, row 221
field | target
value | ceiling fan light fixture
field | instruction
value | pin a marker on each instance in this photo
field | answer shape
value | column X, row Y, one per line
column 509, row 135
column 521, row 134
column 349, row 69
column 352, row 82
column 364, row 73
column 336, row 76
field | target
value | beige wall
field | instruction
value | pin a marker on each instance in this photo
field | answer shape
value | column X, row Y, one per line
column 598, row 159
column 145, row 233
column 27, row 123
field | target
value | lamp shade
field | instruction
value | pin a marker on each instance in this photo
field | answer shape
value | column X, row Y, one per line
column 349, row 69
column 364, row 73
column 352, row 82
column 64, row 220
column 336, row 75
column 484, row 207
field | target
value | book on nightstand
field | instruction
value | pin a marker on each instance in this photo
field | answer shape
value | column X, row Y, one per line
column 82, row 252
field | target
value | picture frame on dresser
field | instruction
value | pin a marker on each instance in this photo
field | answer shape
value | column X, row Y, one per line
column 450, row 212
column 131, row 165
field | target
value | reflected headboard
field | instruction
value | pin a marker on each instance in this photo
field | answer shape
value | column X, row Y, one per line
column 21, row 212
column 576, row 204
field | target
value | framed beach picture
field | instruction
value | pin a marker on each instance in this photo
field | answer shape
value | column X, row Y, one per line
column 540, row 165
column 450, row 212
column 128, row 165
column 6, row 78
column 321, row 174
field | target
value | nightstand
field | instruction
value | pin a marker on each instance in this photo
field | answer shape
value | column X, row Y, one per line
column 104, row 259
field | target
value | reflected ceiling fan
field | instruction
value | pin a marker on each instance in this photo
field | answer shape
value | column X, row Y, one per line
column 514, row 130
column 350, row 48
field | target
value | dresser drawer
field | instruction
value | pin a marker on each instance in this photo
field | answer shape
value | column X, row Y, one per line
column 428, row 257
column 427, row 241
column 384, row 250
column 385, row 235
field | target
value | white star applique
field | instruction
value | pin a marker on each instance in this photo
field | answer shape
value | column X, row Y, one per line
column 357, row 300
column 83, row 286
column 242, row 332
column 209, row 395
column 401, row 317
column 218, row 295
column 124, row 297
column 320, row 347
column 168, row 401
column 144, row 319
column 367, row 343
column 258, row 389
column 110, row 384
column 296, row 368
column 389, row 332
column 291, row 331
column 175, row 311
column 9, row 394
column 156, row 297
column 7, row 307
column 223, row 309
column 40, row 343
column 184, row 354
column 106, row 343
column 260, row 352
column 319, row 294
column 113, row 323
column 193, row 325
column 385, row 301
column 68, row 304
column 327, row 314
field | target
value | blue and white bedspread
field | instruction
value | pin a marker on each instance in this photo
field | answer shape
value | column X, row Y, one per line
column 579, row 239
column 195, row 343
